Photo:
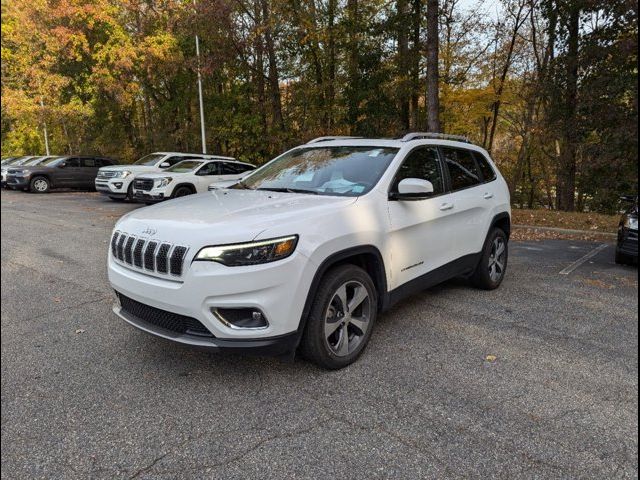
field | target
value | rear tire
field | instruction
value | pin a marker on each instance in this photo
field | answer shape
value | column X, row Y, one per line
column 39, row 185
column 341, row 318
column 493, row 262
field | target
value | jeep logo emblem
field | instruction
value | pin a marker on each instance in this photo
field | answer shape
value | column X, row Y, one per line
column 149, row 231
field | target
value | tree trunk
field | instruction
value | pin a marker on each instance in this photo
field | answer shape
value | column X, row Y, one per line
column 433, row 101
column 331, row 81
column 402, row 24
column 273, row 77
column 567, row 172
column 415, row 63
column 353, row 57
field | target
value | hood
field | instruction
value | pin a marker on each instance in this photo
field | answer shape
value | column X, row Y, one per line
column 226, row 216
column 163, row 174
column 131, row 168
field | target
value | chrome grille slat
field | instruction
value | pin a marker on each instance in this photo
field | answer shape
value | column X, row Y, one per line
column 150, row 255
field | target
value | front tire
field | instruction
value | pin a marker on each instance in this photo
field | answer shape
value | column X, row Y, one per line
column 39, row 185
column 182, row 192
column 493, row 263
column 341, row 318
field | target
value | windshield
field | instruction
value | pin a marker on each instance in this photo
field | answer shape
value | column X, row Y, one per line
column 34, row 161
column 52, row 162
column 149, row 160
column 342, row 171
column 184, row 166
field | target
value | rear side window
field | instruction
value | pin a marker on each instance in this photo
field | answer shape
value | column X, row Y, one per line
column 422, row 163
column 233, row 168
column 463, row 169
column 488, row 174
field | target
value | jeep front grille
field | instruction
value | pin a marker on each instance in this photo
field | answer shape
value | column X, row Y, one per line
column 145, row 184
column 150, row 255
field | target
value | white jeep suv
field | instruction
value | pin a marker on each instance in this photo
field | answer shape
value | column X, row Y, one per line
column 116, row 181
column 308, row 249
column 187, row 177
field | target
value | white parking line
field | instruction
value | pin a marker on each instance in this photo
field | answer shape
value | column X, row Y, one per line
column 582, row 260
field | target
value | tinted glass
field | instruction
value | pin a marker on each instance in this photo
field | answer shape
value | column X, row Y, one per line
column 487, row 172
column 462, row 168
column 89, row 162
column 422, row 163
column 149, row 160
column 52, row 161
column 233, row 168
column 184, row 166
column 72, row 162
column 340, row 171
column 209, row 169
column 174, row 160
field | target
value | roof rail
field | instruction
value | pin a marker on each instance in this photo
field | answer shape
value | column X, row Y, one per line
column 328, row 139
column 439, row 136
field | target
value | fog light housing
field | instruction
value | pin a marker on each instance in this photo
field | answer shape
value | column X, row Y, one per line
column 241, row 318
column 118, row 185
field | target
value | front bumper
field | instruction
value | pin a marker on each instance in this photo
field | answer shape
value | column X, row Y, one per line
column 278, row 289
column 17, row 182
column 272, row 346
column 113, row 187
column 628, row 242
column 143, row 196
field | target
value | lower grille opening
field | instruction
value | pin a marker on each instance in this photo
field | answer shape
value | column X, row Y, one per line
column 163, row 319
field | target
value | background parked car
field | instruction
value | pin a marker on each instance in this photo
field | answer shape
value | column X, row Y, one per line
column 186, row 178
column 15, row 161
column 627, row 247
column 62, row 172
column 117, row 182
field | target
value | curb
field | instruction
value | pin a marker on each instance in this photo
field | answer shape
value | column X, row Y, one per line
column 566, row 230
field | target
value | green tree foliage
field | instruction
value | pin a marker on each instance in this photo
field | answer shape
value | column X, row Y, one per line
column 550, row 86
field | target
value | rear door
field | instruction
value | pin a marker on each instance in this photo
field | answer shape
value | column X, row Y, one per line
column 90, row 168
column 469, row 207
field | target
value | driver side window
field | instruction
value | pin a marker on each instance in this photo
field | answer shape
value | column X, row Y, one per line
column 72, row 162
column 209, row 169
column 422, row 163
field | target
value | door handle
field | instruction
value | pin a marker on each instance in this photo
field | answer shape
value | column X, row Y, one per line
column 488, row 196
column 446, row 206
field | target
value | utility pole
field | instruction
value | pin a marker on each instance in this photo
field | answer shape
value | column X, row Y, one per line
column 46, row 135
column 202, row 132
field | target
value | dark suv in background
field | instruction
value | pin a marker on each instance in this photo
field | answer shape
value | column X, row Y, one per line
column 58, row 172
column 627, row 247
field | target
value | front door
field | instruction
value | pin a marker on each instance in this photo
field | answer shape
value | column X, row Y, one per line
column 422, row 231
column 69, row 174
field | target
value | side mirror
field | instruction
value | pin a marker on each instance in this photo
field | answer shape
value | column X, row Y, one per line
column 62, row 165
column 165, row 165
column 412, row 189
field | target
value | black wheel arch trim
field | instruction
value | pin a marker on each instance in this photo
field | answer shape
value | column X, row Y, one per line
column 186, row 184
column 499, row 218
column 380, row 279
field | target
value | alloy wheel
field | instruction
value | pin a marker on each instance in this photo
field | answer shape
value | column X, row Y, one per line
column 347, row 318
column 497, row 259
column 40, row 185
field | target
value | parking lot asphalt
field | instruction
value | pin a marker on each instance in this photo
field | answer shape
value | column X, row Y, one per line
column 536, row 379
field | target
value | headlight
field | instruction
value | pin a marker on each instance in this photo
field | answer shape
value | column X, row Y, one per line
column 263, row 251
column 123, row 174
column 631, row 223
column 163, row 182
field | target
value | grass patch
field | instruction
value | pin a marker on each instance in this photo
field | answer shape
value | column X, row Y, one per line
column 592, row 222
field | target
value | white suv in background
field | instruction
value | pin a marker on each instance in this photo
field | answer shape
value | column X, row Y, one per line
column 187, row 177
column 306, row 251
column 116, row 181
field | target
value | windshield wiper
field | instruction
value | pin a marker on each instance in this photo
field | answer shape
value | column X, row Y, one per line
column 288, row 190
